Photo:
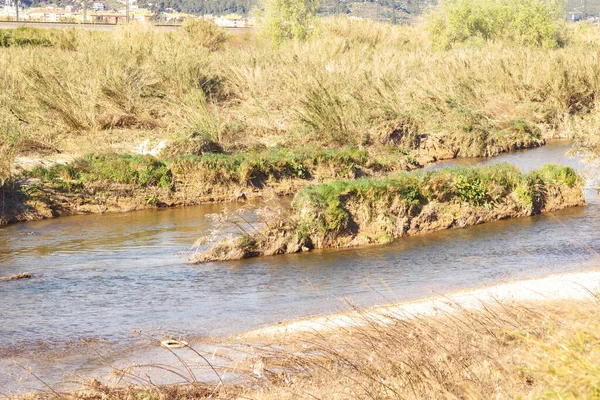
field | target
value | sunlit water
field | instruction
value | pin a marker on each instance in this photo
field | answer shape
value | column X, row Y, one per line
column 102, row 276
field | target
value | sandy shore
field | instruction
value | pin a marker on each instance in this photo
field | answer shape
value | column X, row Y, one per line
column 572, row 286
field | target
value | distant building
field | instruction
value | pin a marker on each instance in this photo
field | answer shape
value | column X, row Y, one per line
column 107, row 18
column 174, row 17
column 232, row 21
column 50, row 15
column 120, row 17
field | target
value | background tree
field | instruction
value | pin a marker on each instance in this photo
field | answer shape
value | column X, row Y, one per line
column 525, row 22
column 288, row 19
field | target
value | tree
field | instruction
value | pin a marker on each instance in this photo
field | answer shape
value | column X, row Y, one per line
column 526, row 22
column 289, row 19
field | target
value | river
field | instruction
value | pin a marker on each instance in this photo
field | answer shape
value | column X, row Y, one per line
column 98, row 278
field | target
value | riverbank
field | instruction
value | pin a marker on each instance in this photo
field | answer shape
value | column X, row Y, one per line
column 378, row 211
column 130, row 267
column 533, row 338
column 106, row 183
column 100, row 183
column 571, row 286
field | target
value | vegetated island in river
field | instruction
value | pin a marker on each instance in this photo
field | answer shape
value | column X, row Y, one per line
column 375, row 211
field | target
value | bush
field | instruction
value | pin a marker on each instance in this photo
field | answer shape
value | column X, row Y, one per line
column 24, row 37
column 205, row 33
column 537, row 23
column 289, row 19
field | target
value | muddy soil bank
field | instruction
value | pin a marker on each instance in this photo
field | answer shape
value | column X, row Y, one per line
column 28, row 201
column 378, row 211
column 32, row 199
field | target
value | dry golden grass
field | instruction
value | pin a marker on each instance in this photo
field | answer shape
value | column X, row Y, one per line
column 541, row 350
column 503, row 351
column 357, row 83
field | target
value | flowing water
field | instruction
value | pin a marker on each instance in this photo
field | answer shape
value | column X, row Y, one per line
column 97, row 278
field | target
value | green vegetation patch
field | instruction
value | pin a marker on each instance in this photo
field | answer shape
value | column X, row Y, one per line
column 24, row 36
column 326, row 206
column 253, row 168
column 142, row 170
column 470, row 184
column 538, row 23
column 272, row 165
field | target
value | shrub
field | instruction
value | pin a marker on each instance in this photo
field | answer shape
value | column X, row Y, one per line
column 63, row 39
column 560, row 174
column 289, row 19
column 538, row 23
column 24, row 37
column 470, row 190
column 205, row 33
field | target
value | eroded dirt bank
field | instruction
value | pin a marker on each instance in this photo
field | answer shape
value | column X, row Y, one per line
column 99, row 184
column 376, row 211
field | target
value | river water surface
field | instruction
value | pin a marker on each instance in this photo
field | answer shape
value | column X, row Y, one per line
column 97, row 278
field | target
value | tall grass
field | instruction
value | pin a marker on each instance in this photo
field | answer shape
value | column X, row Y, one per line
column 501, row 350
column 356, row 83
column 9, row 138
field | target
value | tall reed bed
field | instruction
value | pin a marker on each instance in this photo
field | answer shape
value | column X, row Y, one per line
column 356, row 83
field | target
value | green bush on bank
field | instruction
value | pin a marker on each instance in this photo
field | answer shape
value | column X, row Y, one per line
column 537, row 23
column 323, row 209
